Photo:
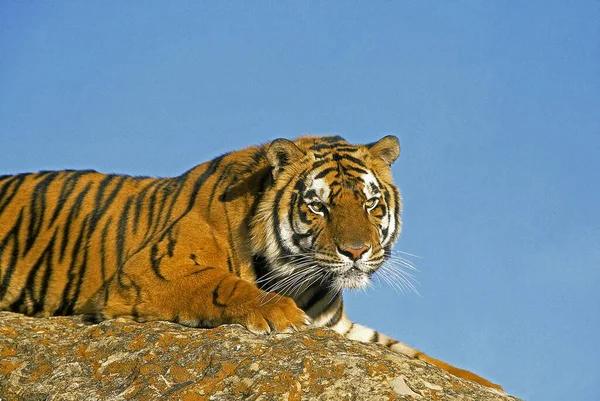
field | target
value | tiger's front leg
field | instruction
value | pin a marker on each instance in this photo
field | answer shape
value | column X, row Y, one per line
column 355, row 331
column 197, row 296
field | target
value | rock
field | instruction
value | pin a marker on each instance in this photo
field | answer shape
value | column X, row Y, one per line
column 62, row 358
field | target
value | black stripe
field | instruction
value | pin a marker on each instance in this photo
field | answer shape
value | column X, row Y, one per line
column 155, row 261
column 151, row 206
column 84, row 261
column 218, row 182
column 386, row 196
column 353, row 159
column 334, row 194
column 152, row 223
column 229, row 266
column 345, row 149
column 317, row 234
column 103, row 238
column 324, row 172
column 122, row 233
column 293, row 200
column 336, row 317
column 216, row 294
column 67, row 304
column 101, row 188
column 139, row 204
column 374, row 188
column 102, row 205
column 175, row 188
column 69, row 184
column 318, row 164
column 11, row 237
column 45, row 280
column 160, row 224
column 302, row 214
column 13, row 183
column 73, row 214
column 379, row 259
column 37, row 209
column 283, row 251
column 232, row 245
column 397, row 208
column 171, row 244
column 98, row 204
column 328, row 145
column 348, row 168
column 166, row 191
column 385, row 230
column 200, row 271
column 316, row 297
column 162, row 191
column 210, row 170
column 297, row 237
column 234, row 288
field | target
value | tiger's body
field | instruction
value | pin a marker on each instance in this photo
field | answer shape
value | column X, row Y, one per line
column 266, row 237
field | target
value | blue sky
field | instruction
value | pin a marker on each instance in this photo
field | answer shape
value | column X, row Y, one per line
column 496, row 104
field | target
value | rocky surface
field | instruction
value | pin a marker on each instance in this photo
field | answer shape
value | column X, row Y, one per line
column 62, row 358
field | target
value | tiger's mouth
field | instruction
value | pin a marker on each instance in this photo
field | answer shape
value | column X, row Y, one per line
column 344, row 274
column 353, row 278
column 338, row 274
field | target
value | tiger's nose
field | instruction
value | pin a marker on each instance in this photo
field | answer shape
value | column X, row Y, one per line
column 354, row 252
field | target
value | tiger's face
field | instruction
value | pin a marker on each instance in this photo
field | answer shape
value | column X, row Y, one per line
column 332, row 213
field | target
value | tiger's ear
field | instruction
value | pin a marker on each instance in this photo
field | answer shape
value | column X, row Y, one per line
column 281, row 153
column 387, row 148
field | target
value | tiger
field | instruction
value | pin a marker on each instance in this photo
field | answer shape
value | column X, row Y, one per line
column 267, row 237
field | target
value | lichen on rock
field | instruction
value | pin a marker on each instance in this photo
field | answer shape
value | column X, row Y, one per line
column 62, row 358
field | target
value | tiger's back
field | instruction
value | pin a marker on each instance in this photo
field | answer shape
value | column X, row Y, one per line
column 65, row 236
column 56, row 237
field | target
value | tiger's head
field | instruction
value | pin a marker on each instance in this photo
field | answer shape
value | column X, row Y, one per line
column 331, row 213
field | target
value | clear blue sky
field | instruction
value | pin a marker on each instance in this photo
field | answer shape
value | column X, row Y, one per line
column 496, row 104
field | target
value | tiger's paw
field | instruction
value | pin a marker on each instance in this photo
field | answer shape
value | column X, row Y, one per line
column 274, row 313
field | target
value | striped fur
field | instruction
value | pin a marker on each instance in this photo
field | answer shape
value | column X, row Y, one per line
column 267, row 237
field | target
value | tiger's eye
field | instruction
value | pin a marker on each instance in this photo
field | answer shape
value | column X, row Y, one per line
column 371, row 203
column 316, row 207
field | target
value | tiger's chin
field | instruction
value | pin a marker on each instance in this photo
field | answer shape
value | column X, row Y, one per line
column 352, row 279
